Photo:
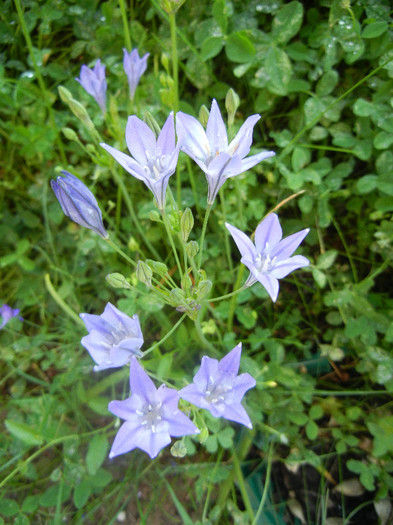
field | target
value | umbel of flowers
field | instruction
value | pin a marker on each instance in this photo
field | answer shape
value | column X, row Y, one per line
column 152, row 416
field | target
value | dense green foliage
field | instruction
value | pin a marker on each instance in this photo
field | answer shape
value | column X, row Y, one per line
column 321, row 76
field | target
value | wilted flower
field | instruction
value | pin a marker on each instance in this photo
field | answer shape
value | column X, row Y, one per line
column 219, row 389
column 113, row 338
column 151, row 416
column 7, row 313
column 134, row 68
column 210, row 149
column 94, row 82
column 270, row 258
column 153, row 161
column 78, row 203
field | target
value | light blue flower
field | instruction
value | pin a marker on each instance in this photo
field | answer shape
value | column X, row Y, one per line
column 7, row 313
column 217, row 387
column 153, row 161
column 270, row 258
column 210, row 149
column 78, row 203
column 134, row 68
column 94, row 82
column 151, row 416
column 113, row 338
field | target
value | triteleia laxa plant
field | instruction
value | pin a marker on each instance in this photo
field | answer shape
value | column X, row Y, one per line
column 211, row 151
column 269, row 259
column 94, row 82
column 114, row 337
column 134, row 67
column 7, row 313
column 78, row 203
column 217, row 387
column 151, row 416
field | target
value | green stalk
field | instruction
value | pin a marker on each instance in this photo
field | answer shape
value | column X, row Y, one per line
column 215, row 299
column 56, row 297
column 232, row 305
column 266, row 485
column 120, row 251
column 171, row 331
column 40, row 80
column 127, row 36
column 242, row 486
column 225, row 231
column 168, row 231
column 202, row 240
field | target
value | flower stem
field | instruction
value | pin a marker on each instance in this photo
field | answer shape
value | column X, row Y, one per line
column 232, row 305
column 226, row 233
column 168, row 231
column 120, row 251
column 266, row 485
column 127, row 36
column 173, row 329
column 222, row 297
column 56, row 297
column 202, row 240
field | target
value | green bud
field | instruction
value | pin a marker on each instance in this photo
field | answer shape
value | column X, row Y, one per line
column 117, row 280
column 144, row 273
column 177, row 297
column 69, row 134
column 158, row 267
column 152, row 123
column 232, row 103
column 203, row 115
column 186, row 224
column 204, row 288
column 203, row 435
column 133, row 244
column 80, row 112
column 186, row 283
column 192, row 248
column 154, row 216
column 65, row 95
column 91, row 149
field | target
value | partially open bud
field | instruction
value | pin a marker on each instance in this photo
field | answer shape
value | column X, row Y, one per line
column 144, row 273
column 117, row 280
column 232, row 102
column 192, row 248
column 186, row 224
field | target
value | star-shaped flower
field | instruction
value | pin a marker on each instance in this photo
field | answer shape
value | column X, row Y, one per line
column 134, row 68
column 210, row 149
column 151, row 416
column 153, row 161
column 270, row 258
column 219, row 389
column 94, row 82
column 113, row 338
column 7, row 313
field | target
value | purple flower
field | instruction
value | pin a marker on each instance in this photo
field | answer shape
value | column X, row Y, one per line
column 270, row 258
column 78, row 203
column 134, row 68
column 7, row 313
column 113, row 338
column 153, row 161
column 94, row 82
column 210, row 149
column 219, row 389
column 151, row 416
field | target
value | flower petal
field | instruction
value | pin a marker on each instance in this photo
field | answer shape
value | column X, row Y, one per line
column 250, row 162
column 236, row 412
column 166, row 138
column 287, row 246
column 126, row 161
column 283, row 268
column 192, row 137
column 127, row 438
column 241, row 144
column 244, row 243
column 229, row 364
column 141, row 140
column 270, row 283
column 268, row 233
column 140, row 382
column 216, row 131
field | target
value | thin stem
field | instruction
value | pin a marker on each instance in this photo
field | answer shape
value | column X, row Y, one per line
column 168, row 231
column 346, row 248
column 215, row 299
column 242, row 485
column 56, row 297
column 210, row 486
column 202, row 240
column 127, row 36
column 266, row 485
column 203, row 338
column 232, row 305
column 120, row 251
column 171, row 331
column 225, row 231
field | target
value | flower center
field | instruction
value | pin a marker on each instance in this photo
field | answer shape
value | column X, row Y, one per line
column 216, row 393
column 263, row 262
column 156, row 165
column 150, row 416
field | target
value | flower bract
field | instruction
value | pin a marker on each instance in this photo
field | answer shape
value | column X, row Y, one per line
column 270, row 258
column 94, row 82
column 153, row 161
column 134, row 68
column 114, row 337
column 217, row 387
column 151, row 416
column 78, row 203
column 7, row 313
column 211, row 151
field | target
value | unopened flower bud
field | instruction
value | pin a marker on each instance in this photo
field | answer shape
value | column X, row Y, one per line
column 177, row 297
column 144, row 273
column 78, row 203
column 204, row 288
column 65, row 95
column 117, row 280
column 192, row 248
column 154, row 216
column 158, row 267
column 186, row 224
column 232, row 103
column 152, row 123
column 186, row 283
column 203, row 116
column 69, row 134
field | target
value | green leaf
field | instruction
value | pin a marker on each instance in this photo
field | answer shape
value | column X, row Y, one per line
column 299, row 418
column 96, row 453
column 374, row 29
column 239, row 48
column 316, row 412
column 101, row 478
column 300, row 158
column 24, row 432
column 363, row 108
column 327, row 83
column 8, row 507
column 383, row 140
column 82, row 493
column 225, row 437
column 319, row 277
column 366, row 184
column 385, row 183
column 211, row 47
column 220, row 14
column 313, row 108
column 326, row 259
column 279, row 68
column 287, row 22
column 312, row 430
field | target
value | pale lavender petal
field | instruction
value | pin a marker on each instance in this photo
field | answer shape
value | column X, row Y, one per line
column 192, row 137
column 141, row 140
column 126, row 409
column 166, row 139
column 241, row 144
column 244, row 243
column 241, row 384
column 180, row 425
column 236, row 412
column 207, row 370
column 126, row 161
column 268, row 233
column 123, row 441
column 7, row 313
column 283, row 268
column 287, row 246
column 194, row 394
column 250, row 162
column 154, row 442
column 230, row 363
column 270, row 283
column 140, row 382
column 216, row 131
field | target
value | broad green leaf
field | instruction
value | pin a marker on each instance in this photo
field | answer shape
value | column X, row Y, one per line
column 385, row 183
column 96, row 453
column 239, row 48
column 383, row 140
column 327, row 83
column 300, row 158
column 366, row 184
column 8, row 507
column 313, row 109
column 279, row 69
column 363, row 108
column 211, row 47
column 82, row 493
column 374, row 29
column 287, row 22
column 24, row 432
column 326, row 259
column 319, row 277
column 312, row 430
column 220, row 14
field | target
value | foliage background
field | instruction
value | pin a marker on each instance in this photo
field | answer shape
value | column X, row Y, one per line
column 321, row 75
